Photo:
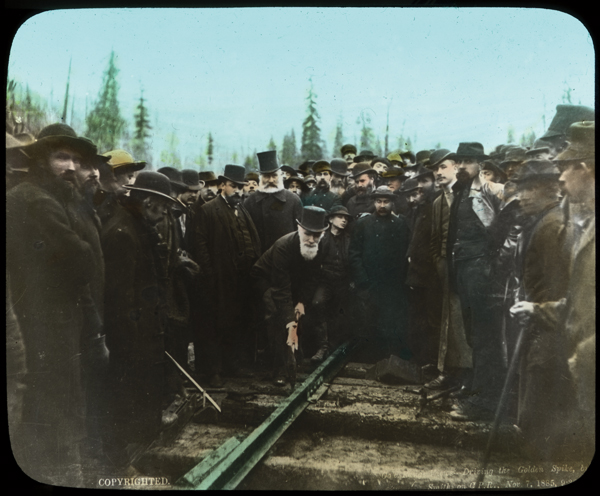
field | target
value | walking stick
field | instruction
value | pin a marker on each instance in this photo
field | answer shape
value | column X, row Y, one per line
column 512, row 369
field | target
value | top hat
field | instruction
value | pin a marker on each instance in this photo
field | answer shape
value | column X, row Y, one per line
column 207, row 177
column 565, row 116
column 339, row 210
column 190, row 178
column 363, row 168
column 153, row 182
column 437, row 157
column 291, row 170
column 469, row 150
column 61, row 134
column 582, row 142
column 364, row 156
column 313, row 219
column 383, row 192
column 235, row 174
column 537, row 170
column 339, row 167
column 251, row 176
column 321, row 166
column 267, row 162
column 174, row 176
column 348, row 149
column 121, row 161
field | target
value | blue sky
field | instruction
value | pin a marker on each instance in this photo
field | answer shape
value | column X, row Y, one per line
column 446, row 74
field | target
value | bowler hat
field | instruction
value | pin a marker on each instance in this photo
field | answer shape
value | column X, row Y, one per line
column 409, row 185
column 339, row 167
column 321, row 166
column 267, row 162
column 313, row 219
column 291, row 170
column 348, row 149
column 422, row 157
column 537, row 170
column 364, row 156
column 120, row 160
column 565, row 116
column 339, row 210
column 305, row 167
column 154, row 183
column 469, row 150
column 437, row 157
column 60, row 134
column 582, row 142
column 174, row 176
column 207, row 177
column 422, row 171
column 235, row 174
column 383, row 192
column 514, row 154
column 191, row 180
column 363, row 168
column 393, row 172
column 298, row 179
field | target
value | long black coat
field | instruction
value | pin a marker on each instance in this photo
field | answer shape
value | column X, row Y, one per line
column 216, row 250
column 273, row 214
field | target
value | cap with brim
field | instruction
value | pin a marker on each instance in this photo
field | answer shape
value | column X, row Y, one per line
column 60, row 134
column 267, row 162
column 121, row 161
column 174, row 176
column 339, row 167
column 313, row 219
column 321, row 166
column 298, row 179
column 383, row 192
column 235, row 174
column 153, row 182
column 582, row 142
column 339, row 210
column 207, row 177
column 363, row 168
column 537, row 170
column 191, row 180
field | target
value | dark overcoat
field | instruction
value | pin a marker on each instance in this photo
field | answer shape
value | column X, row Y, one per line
column 274, row 215
column 324, row 199
column 360, row 204
column 219, row 258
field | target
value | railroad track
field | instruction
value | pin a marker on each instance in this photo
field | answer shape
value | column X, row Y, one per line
column 337, row 430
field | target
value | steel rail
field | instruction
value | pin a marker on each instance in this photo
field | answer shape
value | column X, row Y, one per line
column 230, row 470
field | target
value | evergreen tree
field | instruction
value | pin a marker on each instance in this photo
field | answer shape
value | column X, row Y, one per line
column 338, row 141
column 139, row 145
column 170, row 157
column 311, row 132
column 289, row 152
column 251, row 163
column 200, row 161
column 527, row 138
column 105, row 126
column 272, row 145
column 367, row 138
column 210, row 149
column 510, row 136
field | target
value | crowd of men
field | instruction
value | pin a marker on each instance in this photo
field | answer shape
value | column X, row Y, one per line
column 457, row 261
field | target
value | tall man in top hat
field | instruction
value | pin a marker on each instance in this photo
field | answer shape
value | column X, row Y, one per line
column 273, row 208
column 472, row 213
column 289, row 274
column 378, row 263
column 228, row 245
column 51, row 267
column 322, row 196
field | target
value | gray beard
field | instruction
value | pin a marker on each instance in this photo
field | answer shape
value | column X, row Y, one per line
column 308, row 253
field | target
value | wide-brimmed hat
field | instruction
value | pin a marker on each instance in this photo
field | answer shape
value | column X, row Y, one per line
column 207, row 177
column 514, row 154
column 251, row 176
column 234, row 173
column 437, row 157
column 490, row 165
column 303, row 185
column 565, row 116
column 383, row 192
column 15, row 157
column 267, row 162
column 321, row 166
column 191, row 180
column 339, row 167
column 537, row 170
column 364, row 156
column 469, row 150
column 339, row 210
column 581, row 137
column 175, row 178
column 154, row 183
column 121, row 161
column 290, row 169
column 313, row 219
column 60, row 134
column 537, row 149
column 348, row 149
column 363, row 168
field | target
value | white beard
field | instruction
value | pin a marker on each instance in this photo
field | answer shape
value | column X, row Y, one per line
column 308, row 253
column 261, row 187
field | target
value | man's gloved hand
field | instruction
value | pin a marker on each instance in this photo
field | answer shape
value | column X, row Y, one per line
column 292, row 338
